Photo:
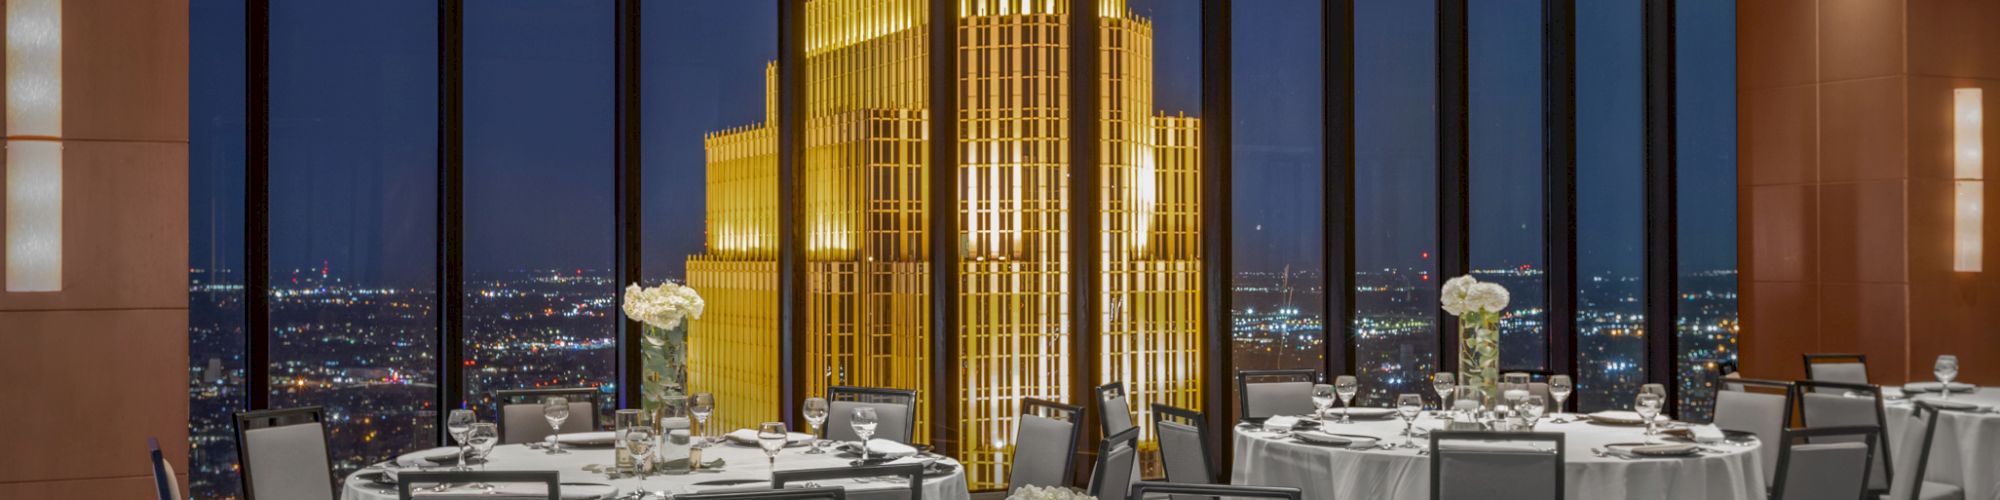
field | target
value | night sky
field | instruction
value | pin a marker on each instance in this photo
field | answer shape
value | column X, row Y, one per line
column 354, row 129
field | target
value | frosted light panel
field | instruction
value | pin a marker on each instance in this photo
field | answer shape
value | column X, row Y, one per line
column 34, row 69
column 34, row 216
column 1966, row 108
column 1969, row 204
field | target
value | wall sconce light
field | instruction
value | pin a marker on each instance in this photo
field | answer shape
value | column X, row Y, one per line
column 34, row 145
column 1970, row 173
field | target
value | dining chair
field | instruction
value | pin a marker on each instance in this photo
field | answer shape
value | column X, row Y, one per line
column 822, row 493
column 1114, row 414
column 895, row 412
column 1914, row 486
column 521, row 419
column 911, row 473
column 1143, row 488
column 1761, row 407
column 1833, row 404
column 1834, row 467
column 1045, row 439
column 1485, row 465
column 1843, row 368
column 1117, row 457
column 163, row 473
column 407, row 481
column 1266, row 393
column 1183, row 444
column 283, row 454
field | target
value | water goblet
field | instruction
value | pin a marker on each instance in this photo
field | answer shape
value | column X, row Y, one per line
column 1560, row 387
column 1647, row 405
column 864, row 427
column 816, row 412
column 1408, row 406
column 1322, row 397
column 1946, row 369
column 702, row 406
column 641, row 442
column 1346, row 386
column 772, row 436
column 482, row 436
column 1531, row 409
column 1442, row 383
column 556, row 410
column 458, row 423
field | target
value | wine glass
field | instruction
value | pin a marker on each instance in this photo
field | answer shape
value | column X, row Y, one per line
column 1443, row 382
column 864, row 427
column 1946, row 369
column 459, row 422
column 1560, row 387
column 482, row 436
column 1323, row 396
column 816, row 410
column 556, row 410
column 1346, row 386
column 701, row 405
column 1408, row 406
column 1648, row 406
column 641, row 442
column 1532, row 408
column 772, row 436
column 1467, row 400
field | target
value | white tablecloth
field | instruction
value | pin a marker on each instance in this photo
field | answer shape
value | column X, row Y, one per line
column 743, row 462
column 1330, row 473
column 1966, row 451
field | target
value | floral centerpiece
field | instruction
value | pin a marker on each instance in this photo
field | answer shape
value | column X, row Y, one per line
column 665, row 311
column 1477, row 306
column 1032, row 492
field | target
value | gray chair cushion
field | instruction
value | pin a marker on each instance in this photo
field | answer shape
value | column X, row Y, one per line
column 1492, row 475
column 524, row 423
column 1850, row 373
column 1117, row 415
column 1758, row 413
column 892, row 421
column 1042, row 447
column 1180, row 448
column 1278, row 398
column 1824, row 410
column 288, row 462
column 1823, row 471
column 1117, row 480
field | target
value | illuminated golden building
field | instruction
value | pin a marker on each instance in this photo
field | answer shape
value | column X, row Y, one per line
column 864, row 211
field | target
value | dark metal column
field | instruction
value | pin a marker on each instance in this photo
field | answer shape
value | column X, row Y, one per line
column 1337, row 239
column 257, row 204
column 791, row 240
column 450, row 208
column 1216, row 141
column 1662, row 248
column 1453, row 158
column 1559, row 178
column 942, row 82
column 1086, row 113
column 629, row 200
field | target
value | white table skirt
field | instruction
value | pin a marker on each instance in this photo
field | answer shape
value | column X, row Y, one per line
column 1330, row 473
column 743, row 462
column 1966, row 450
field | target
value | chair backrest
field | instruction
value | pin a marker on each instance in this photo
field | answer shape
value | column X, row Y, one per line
column 1266, row 393
column 1143, row 488
column 1761, row 407
column 1835, row 404
column 822, row 493
column 895, row 412
column 284, row 454
column 1843, row 368
column 1045, row 439
column 1824, row 470
column 1486, row 465
column 1914, row 468
column 1114, row 413
column 1183, row 444
column 911, row 473
column 163, row 472
column 521, row 419
column 1116, row 458
column 408, row 482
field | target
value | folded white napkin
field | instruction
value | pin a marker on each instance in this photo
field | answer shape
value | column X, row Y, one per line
column 749, row 437
column 1317, row 437
column 1670, row 449
column 881, row 448
column 1706, row 433
column 526, row 491
column 1280, row 422
column 599, row 438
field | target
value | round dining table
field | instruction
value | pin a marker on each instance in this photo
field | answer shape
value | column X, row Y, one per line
column 1326, row 472
column 1966, row 450
column 583, row 469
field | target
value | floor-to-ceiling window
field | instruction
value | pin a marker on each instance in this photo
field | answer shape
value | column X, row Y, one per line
column 216, row 66
column 353, row 235
column 1395, row 198
column 1277, row 172
column 710, row 190
column 1507, row 242
column 1610, row 204
column 1705, row 76
column 539, row 227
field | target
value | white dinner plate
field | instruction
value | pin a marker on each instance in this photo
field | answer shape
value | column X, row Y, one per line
column 1615, row 417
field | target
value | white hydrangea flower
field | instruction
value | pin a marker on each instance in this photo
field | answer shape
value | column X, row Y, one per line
column 663, row 306
column 1488, row 297
column 1455, row 294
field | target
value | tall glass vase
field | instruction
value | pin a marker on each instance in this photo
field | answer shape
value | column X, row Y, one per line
column 666, row 354
column 1479, row 356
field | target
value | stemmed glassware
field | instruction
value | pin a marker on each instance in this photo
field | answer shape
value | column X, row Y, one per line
column 1648, row 405
column 1323, row 397
column 1408, row 406
column 1443, row 382
column 772, row 436
column 1531, row 409
column 1560, row 387
column 1467, row 400
column 482, row 436
column 701, row 405
column 816, row 410
column 458, row 423
column 864, row 427
column 1946, row 369
column 641, row 442
column 556, row 410
column 1346, row 386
